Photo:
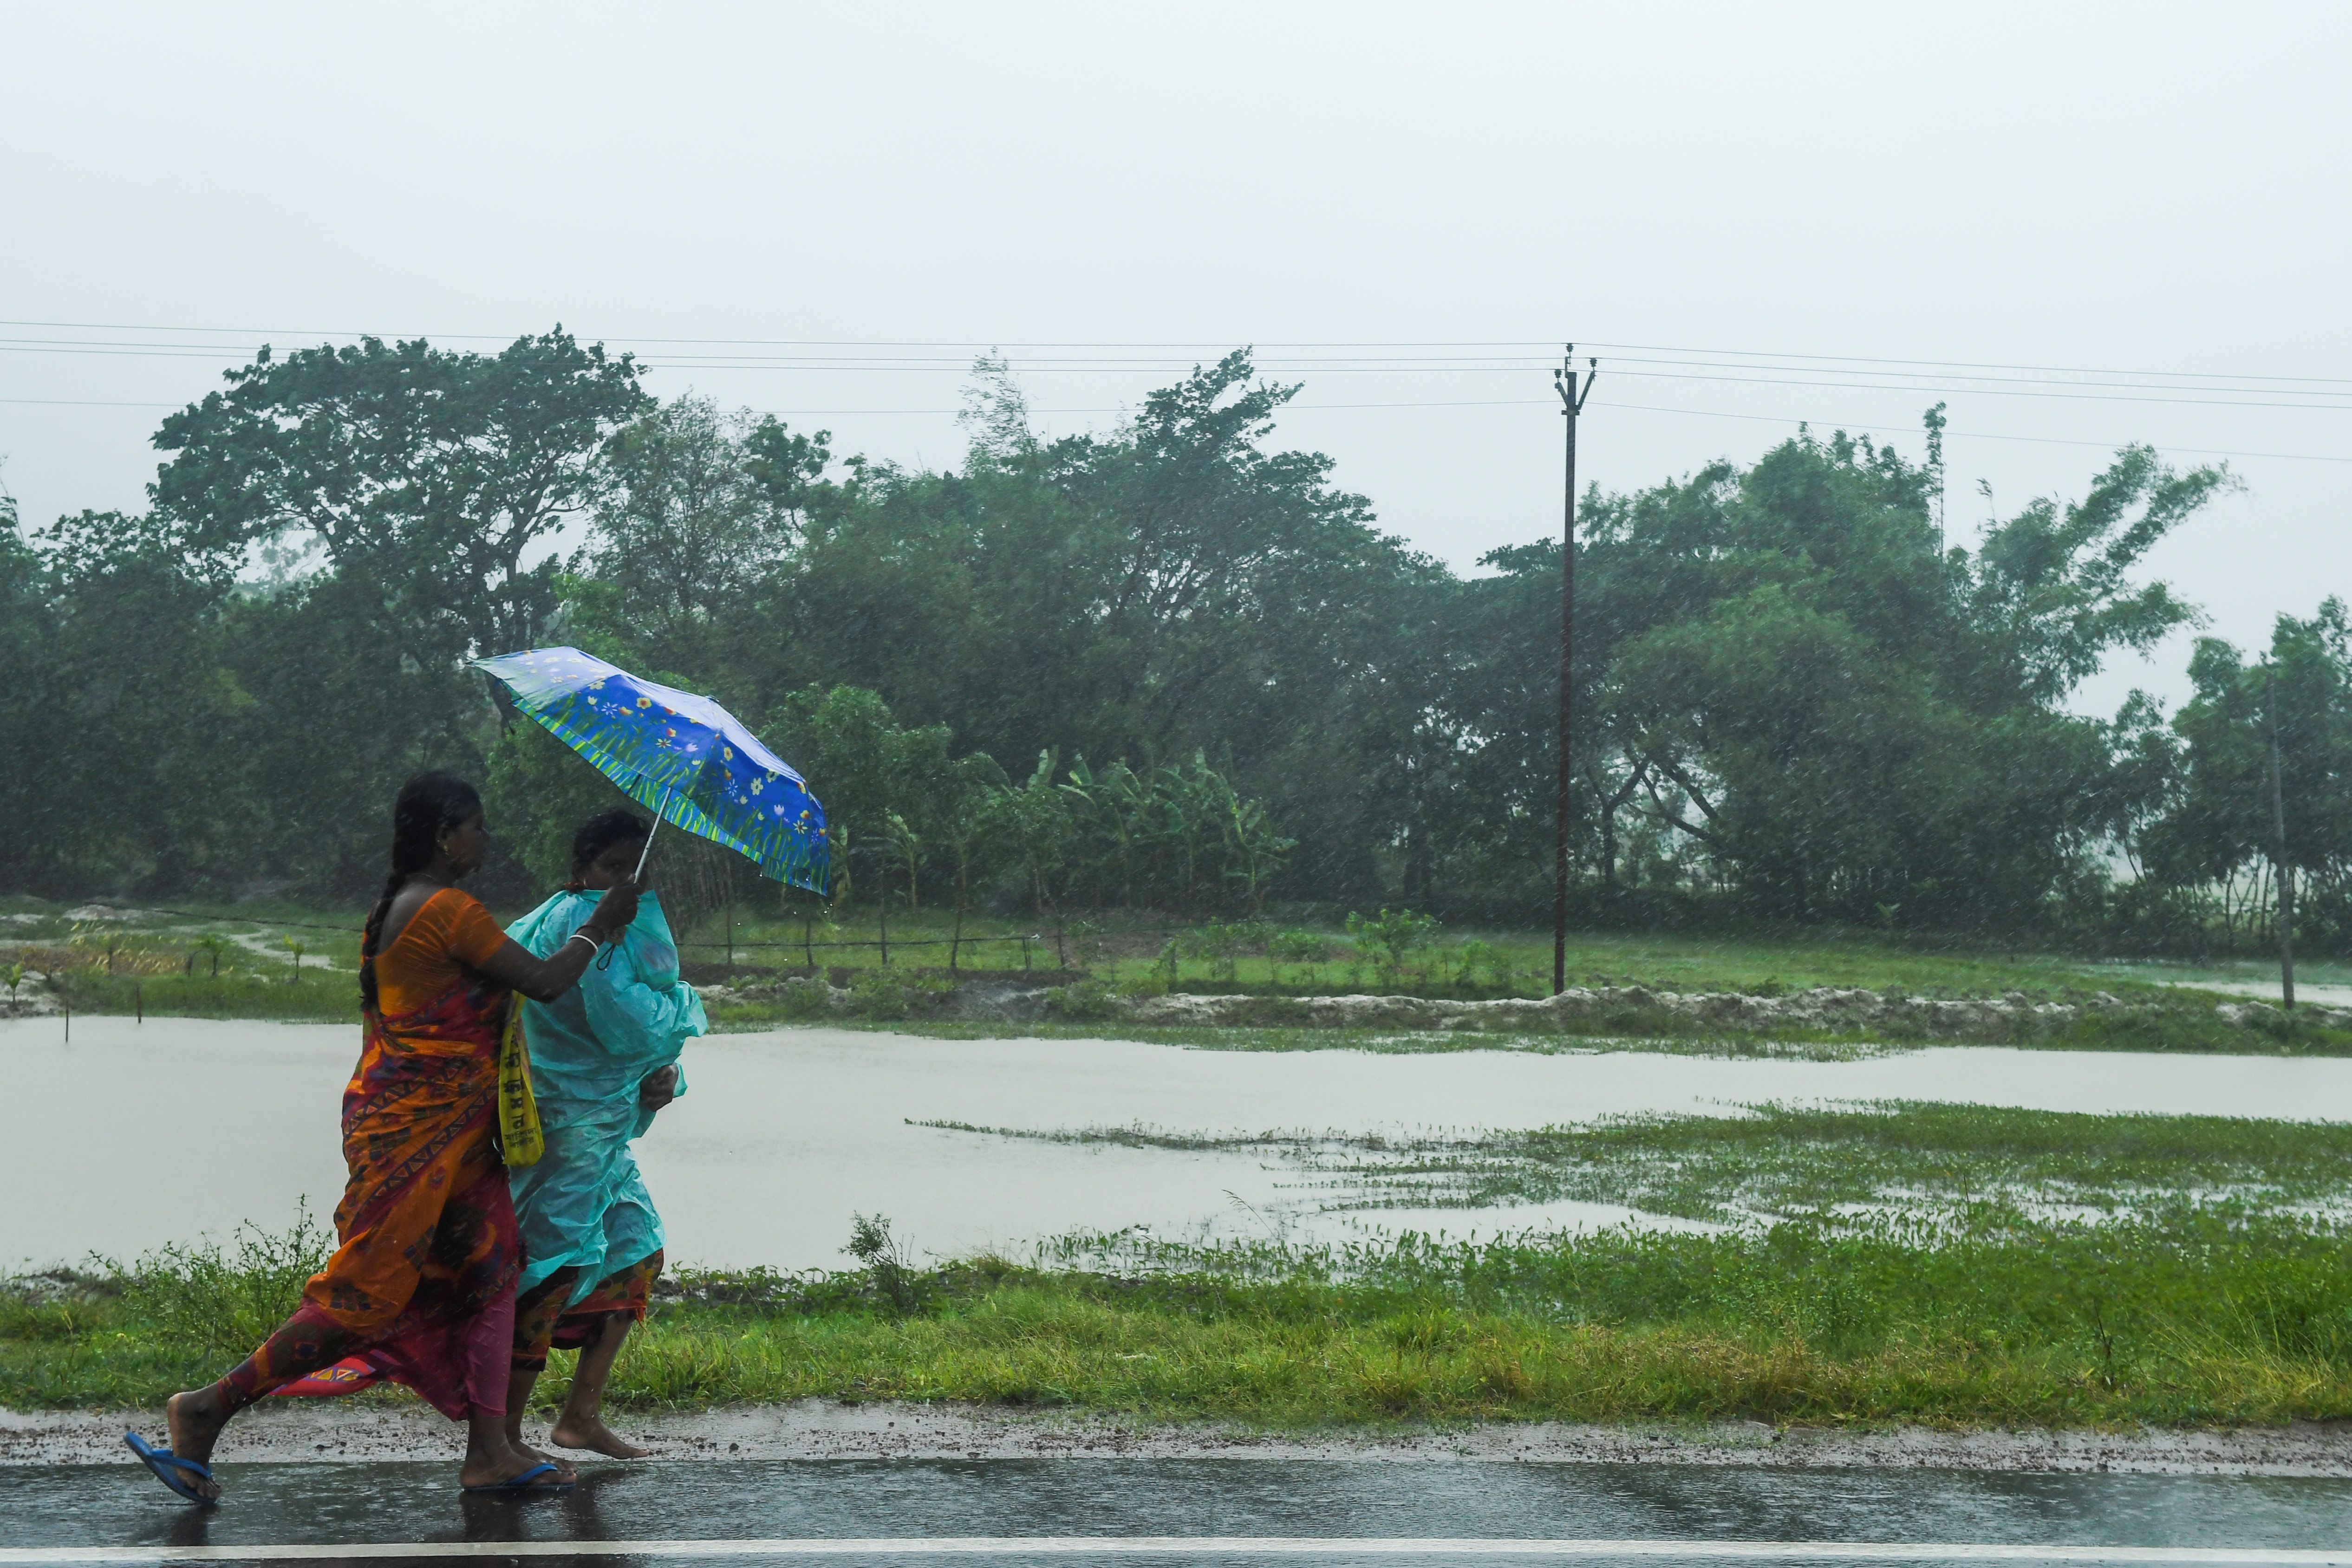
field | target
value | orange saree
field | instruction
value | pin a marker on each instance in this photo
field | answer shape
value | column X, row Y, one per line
column 420, row 1290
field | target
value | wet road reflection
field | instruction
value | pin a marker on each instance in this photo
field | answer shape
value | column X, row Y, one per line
column 332, row 1505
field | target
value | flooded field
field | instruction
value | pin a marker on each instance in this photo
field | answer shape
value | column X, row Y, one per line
column 134, row 1135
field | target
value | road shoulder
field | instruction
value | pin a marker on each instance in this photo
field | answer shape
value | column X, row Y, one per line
column 380, row 1428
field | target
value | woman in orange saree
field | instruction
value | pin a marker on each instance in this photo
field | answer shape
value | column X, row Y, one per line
column 421, row 1287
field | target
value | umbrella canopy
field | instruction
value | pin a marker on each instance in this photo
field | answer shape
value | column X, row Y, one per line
column 680, row 755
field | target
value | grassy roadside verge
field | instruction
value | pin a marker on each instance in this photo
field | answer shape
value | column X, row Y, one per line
column 2197, row 1320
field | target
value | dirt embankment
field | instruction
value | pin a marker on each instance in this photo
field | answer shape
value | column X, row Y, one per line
column 1629, row 1010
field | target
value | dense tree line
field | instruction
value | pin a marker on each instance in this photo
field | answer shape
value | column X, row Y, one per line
column 1164, row 666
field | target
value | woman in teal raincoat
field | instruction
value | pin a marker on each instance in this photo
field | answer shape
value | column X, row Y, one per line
column 604, row 1059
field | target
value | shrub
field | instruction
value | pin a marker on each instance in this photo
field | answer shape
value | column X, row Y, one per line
column 1390, row 937
column 878, row 993
column 896, row 1279
column 1296, row 944
column 1221, row 942
column 1474, row 958
column 805, row 999
column 1088, row 1001
column 228, row 1302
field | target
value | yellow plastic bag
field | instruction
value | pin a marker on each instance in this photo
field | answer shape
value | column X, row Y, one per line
column 518, row 1132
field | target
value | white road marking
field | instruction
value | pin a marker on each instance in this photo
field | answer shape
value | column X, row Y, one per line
column 1209, row 1546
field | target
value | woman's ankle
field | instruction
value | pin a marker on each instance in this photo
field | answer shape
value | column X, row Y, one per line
column 486, row 1431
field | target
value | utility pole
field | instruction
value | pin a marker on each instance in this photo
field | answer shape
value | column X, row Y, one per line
column 1571, row 404
column 2286, row 873
column 1936, row 423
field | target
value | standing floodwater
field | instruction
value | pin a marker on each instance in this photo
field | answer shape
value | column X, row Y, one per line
column 822, row 1116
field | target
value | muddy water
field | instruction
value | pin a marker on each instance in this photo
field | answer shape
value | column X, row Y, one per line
column 134, row 1135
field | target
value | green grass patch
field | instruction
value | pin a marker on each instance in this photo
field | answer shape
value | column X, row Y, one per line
column 317, row 997
column 729, row 1018
column 2185, row 1019
column 1945, row 1164
column 2204, row 1320
column 1936, row 1165
column 2186, row 1023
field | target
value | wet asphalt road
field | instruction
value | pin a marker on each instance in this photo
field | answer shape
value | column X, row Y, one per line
column 343, row 1504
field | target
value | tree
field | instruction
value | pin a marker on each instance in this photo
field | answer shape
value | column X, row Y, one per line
column 1781, row 668
column 38, row 851
column 139, row 752
column 433, row 474
column 1169, row 586
column 870, row 770
column 699, row 504
column 1792, row 696
column 2048, row 596
column 1033, row 825
column 2218, row 822
column 965, row 826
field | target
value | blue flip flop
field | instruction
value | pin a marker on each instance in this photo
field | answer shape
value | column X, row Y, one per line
column 521, row 1484
column 163, row 1461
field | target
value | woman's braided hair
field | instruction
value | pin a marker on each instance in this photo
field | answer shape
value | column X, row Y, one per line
column 426, row 805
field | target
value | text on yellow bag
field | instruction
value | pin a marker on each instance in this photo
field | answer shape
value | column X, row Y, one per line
column 518, row 1132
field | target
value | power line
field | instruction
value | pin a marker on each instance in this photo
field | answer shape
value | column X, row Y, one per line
column 1994, row 391
column 89, row 403
column 2175, row 382
column 1454, row 363
column 1950, row 364
column 1858, row 428
column 1968, row 435
column 1450, row 364
column 1536, row 350
column 2231, row 397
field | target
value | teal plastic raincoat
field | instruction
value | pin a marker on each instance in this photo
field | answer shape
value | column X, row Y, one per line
column 584, row 1203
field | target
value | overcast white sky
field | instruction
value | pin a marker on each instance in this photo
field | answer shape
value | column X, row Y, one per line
column 2131, row 189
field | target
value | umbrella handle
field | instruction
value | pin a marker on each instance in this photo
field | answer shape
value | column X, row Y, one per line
column 605, row 960
column 639, row 873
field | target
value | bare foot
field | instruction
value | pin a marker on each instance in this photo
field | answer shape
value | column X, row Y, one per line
column 590, row 1432
column 194, row 1419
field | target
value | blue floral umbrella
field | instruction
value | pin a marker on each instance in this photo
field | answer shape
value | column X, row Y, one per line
column 682, row 757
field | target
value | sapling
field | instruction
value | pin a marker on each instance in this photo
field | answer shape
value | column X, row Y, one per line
column 1390, row 935
column 1296, row 945
column 894, row 1275
column 1474, row 957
